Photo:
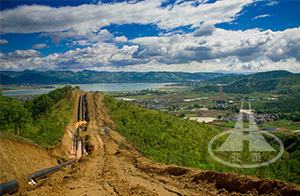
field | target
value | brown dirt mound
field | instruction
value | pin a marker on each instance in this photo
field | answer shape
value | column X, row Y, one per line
column 19, row 159
column 110, row 170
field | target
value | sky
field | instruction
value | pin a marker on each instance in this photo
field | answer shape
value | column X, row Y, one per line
column 229, row 36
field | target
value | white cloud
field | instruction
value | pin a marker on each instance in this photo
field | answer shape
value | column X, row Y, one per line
column 20, row 54
column 82, row 43
column 272, row 3
column 206, row 49
column 98, row 55
column 18, row 60
column 90, row 35
column 40, row 46
column 261, row 16
column 3, row 41
column 246, row 46
column 121, row 39
column 77, row 21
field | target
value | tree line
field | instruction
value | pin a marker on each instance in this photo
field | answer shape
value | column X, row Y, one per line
column 42, row 119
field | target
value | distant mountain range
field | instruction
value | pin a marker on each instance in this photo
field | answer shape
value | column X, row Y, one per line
column 280, row 82
column 86, row 76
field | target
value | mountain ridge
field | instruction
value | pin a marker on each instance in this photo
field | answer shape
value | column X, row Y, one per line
column 87, row 76
column 280, row 82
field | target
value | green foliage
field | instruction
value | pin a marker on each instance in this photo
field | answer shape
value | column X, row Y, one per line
column 287, row 167
column 280, row 82
column 287, row 107
column 162, row 137
column 41, row 120
column 173, row 140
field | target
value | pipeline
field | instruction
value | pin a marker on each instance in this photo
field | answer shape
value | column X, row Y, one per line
column 79, row 109
column 9, row 187
column 12, row 186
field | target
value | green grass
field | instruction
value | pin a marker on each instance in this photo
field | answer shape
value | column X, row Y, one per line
column 285, row 124
column 191, row 115
column 11, row 135
column 227, row 124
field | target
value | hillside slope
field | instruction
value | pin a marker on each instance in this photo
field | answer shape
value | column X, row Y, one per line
column 278, row 82
column 114, row 167
column 19, row 159
column 269, row 75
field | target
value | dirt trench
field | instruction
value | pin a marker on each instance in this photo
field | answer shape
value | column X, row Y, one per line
column 113, row 170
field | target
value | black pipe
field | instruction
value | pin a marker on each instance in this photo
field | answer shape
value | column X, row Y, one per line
column 12, row 186
column 82, row 147
column 44, row 172
column 83, row 108
column 9, row 187
column 77, row 143
column 79, row 108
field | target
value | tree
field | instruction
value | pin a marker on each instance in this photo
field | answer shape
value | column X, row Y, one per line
column 19, row 115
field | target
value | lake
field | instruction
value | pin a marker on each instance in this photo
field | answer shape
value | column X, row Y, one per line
column 103, row 87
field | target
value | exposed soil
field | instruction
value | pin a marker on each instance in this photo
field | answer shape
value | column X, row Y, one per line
column 20, row 159
column 113, row 167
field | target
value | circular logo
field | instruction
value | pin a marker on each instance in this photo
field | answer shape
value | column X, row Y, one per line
column 234, row 144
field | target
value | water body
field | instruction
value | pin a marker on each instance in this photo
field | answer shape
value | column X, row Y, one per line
column 103, row 87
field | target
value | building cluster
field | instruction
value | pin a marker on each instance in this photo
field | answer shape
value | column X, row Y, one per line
column 259, row 118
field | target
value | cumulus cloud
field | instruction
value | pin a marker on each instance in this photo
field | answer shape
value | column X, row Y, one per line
column 3, row 41
column 40, row 46
column 121, row 39
column 18, row 59
column 204, row 30
column 98, row 55
column 91, row 35
column 246, row 46
column 284, row 45
column 224, row 49
column 20, row 54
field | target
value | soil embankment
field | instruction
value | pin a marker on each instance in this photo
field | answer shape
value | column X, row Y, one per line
column 19, row 159
column 113, row 167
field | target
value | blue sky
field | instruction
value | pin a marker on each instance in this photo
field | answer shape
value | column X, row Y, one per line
column 151, row 35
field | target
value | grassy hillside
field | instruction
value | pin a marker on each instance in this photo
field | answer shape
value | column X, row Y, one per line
column 277, row 82
column 269, row 75
column 173, row 140
column 41, row 120
column 162, row 137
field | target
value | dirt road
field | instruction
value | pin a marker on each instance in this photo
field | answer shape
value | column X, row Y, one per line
column 114, row 167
